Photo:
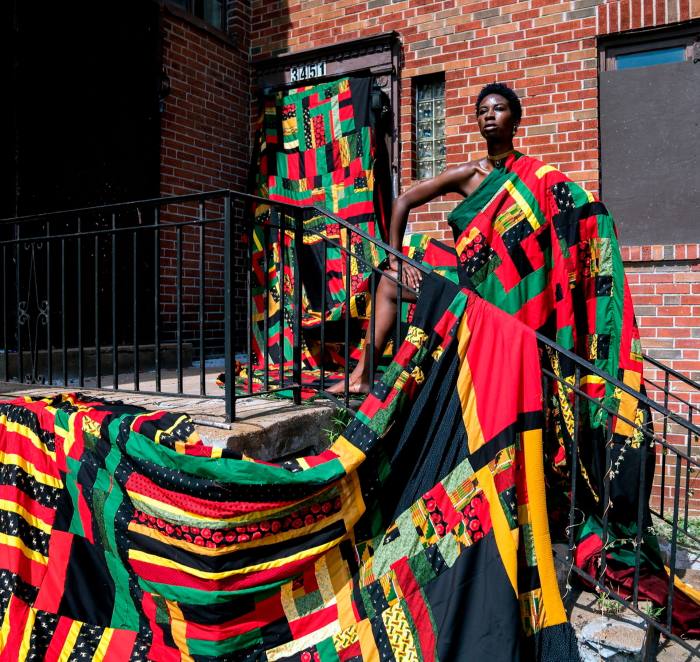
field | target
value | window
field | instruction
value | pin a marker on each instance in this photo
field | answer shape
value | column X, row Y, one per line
column 211, row 12
column 648, row 51
column 430, row 126
column 649, row 142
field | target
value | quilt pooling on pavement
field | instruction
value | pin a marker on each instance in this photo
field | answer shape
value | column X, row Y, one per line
column 413, row 537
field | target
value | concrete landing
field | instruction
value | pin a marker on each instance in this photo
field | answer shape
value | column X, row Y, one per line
column 265, row 428
column 608, row 632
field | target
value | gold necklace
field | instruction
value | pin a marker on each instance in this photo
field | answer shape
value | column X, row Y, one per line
column 498, row 160
column 498, row 157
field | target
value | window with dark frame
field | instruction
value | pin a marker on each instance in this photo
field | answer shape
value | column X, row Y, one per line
column 211, row 12
column 649, row 92
column 429, row 138
column 650, row 50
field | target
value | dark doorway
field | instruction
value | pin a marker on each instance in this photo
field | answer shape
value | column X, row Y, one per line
column 83, row 131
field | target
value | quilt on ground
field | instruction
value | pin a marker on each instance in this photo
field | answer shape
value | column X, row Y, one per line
column 420, row 534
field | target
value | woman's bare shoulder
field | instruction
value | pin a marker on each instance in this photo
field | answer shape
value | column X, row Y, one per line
column 460, row 175
column 464, row 171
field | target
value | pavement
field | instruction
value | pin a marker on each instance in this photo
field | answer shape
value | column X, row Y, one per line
column 608, row 632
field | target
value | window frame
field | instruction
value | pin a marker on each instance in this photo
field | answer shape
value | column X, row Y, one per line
column 417, row 81
column 650, row 40
column 187, row 14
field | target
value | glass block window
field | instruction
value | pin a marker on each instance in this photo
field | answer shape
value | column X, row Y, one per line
column 210, row 11
column 430, row 126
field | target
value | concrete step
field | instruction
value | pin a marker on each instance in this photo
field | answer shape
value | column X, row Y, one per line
column 265, row 428
column 274, row 434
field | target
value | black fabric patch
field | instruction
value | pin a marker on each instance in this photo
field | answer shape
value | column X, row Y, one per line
column 87, row 576
column 566, row 223
column 377, row 597
column 436, row 559
column 474, row 605
column 12, row 524
column 360, row 435
column 386, row 653
column 87, row 642
column 558, row 292
column 11, row 474
column 603, row 286
column 40, row 639
column 515, row 235
column 562, row 196
column 521, row 261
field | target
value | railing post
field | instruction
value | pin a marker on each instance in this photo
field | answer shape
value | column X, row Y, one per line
column 574, row 462
column 18, row 316
column 49, row 342
column 156, row 295
column 202, row 312
column 229, row 350
column 296, row 331
column 5, row 349
column 348, row 285
column 249, row 229
column 324, row 308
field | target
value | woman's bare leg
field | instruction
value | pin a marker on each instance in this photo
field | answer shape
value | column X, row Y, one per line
column 385, row 319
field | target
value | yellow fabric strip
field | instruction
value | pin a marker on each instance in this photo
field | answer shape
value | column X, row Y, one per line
column 14, row 507
column 552, row 612
column 26, row 637
column 543, row 170
column 69, row 643
column 30, row 468
column 466, row 391
column 506, row 540
column 350, row 456
column 529, row 214
column 178, row 627
column 628, row 403
column 28, row 434
column 368, row 645
column 5, row 628
column 32, row 555
column 103, row 645
column 346, row 615
column 691, row 592
column 592, row 379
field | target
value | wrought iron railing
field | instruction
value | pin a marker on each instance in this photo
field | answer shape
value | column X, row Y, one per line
column 78, row 278
column 672, row 421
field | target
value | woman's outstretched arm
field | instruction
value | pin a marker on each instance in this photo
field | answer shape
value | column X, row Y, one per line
column 455, row 179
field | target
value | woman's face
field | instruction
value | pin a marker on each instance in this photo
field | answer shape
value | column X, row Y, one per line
column 495, row 118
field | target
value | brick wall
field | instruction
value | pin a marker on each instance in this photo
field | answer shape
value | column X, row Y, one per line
column 545, row 49
column 204, row 146
column 665, row 285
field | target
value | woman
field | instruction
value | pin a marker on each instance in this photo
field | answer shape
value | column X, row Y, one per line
column 498, row 113
column 541, row 248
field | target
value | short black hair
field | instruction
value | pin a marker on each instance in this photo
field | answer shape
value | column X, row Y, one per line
column 507, row 93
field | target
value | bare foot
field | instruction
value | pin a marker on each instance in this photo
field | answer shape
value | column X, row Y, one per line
column 357, row 385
